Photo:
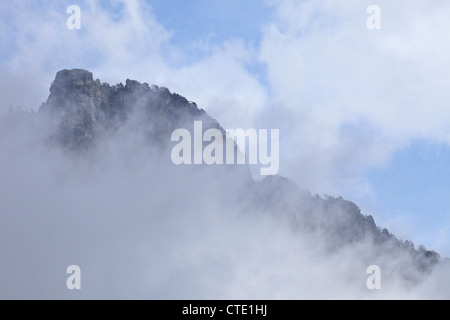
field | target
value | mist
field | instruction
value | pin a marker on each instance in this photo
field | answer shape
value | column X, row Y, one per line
column 345, row 100
column 140, row 227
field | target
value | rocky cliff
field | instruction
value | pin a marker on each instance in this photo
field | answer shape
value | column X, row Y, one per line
column 84, row 109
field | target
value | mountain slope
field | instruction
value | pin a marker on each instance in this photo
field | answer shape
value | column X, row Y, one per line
column 85, row 114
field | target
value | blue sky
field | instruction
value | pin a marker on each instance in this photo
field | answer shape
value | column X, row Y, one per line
column 414, row 187
column 217, row 20
column 313, row 70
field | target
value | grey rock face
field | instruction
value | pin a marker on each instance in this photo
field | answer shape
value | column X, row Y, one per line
column 84, row 109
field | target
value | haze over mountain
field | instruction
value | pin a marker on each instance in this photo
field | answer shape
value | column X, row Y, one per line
column 88, row 180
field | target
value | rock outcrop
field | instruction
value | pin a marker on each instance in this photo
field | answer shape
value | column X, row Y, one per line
column 83, row 109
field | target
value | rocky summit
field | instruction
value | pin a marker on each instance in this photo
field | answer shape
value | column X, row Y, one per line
column 84, row 108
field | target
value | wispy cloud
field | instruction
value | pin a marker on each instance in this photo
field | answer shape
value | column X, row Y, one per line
column 344, row 97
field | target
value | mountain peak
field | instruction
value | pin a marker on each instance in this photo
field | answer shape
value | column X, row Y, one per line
column 72, row 78
column 84, row 108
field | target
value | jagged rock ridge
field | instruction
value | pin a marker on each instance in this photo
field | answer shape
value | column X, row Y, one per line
column 85, row 109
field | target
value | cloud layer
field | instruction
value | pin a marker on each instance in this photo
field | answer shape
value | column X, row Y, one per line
column 368, row 92
column 344, row 97
column 140, row 227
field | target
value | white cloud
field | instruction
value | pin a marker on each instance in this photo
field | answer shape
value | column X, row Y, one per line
column 343, row 97
column 128, row 42
column 141, row 228
column 331, row 73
